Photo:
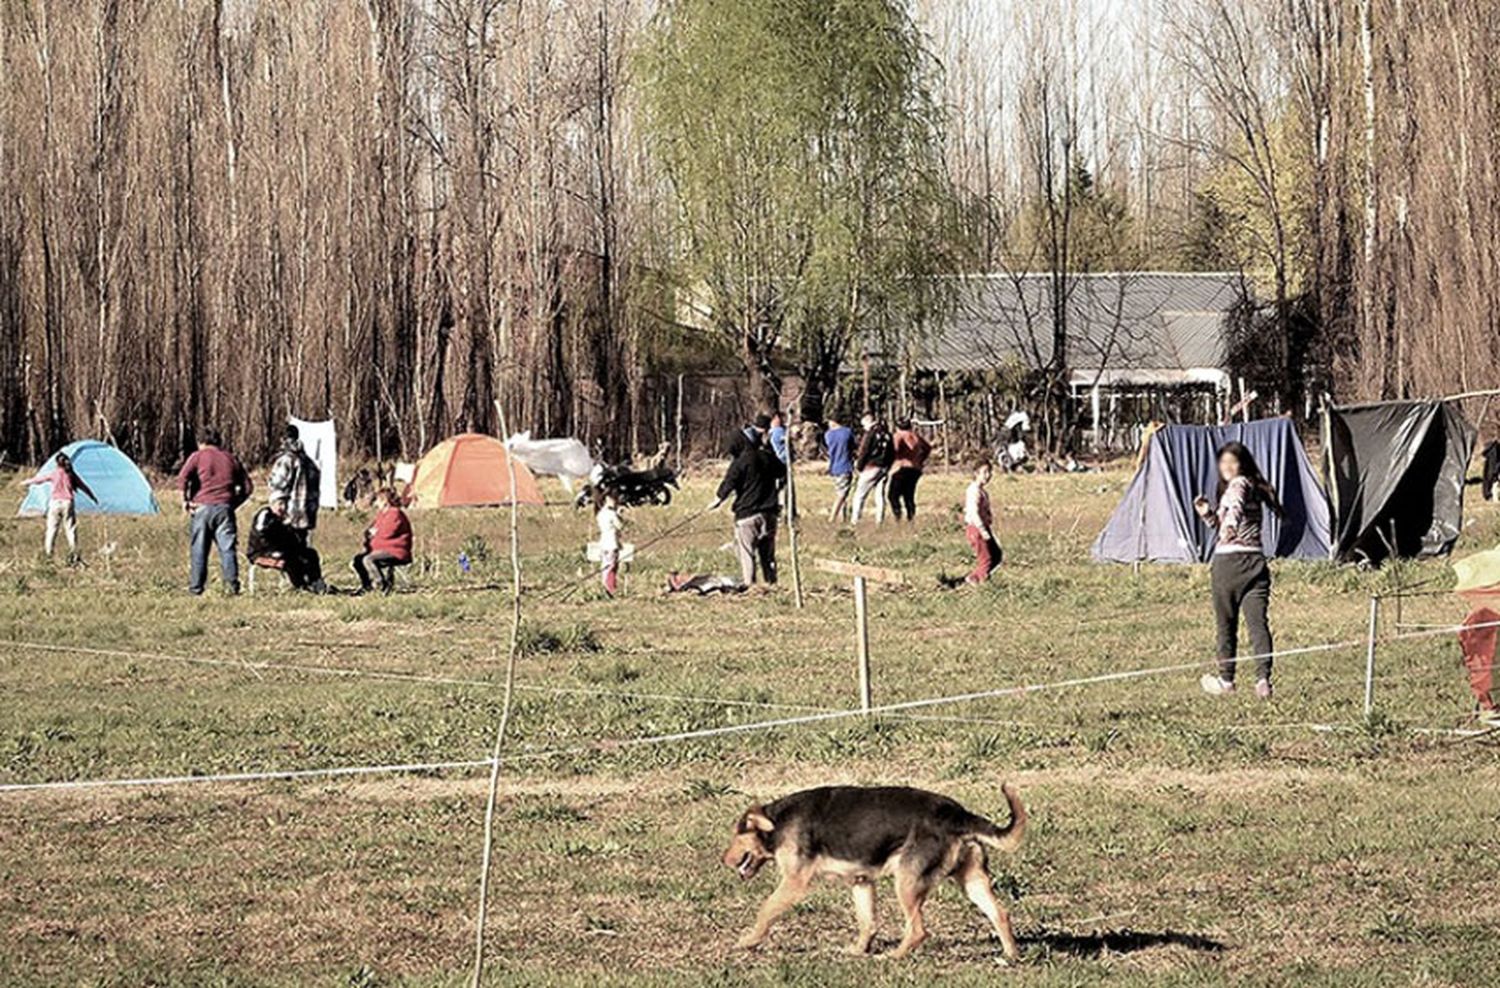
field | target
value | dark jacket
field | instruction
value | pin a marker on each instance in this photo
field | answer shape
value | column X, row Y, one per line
column 876, row 449
column 754, row 478
column 270, row 535
column 743, row 439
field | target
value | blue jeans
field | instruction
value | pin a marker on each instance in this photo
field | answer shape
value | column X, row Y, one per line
column 213, row 524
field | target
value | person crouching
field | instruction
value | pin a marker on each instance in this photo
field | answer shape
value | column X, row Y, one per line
column 387, row 543
column 274, row 543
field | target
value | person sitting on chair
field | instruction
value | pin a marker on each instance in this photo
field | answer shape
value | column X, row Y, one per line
column 273, row 543
column 387, row 542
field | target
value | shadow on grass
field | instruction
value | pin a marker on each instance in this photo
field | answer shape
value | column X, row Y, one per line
column 1120, row 942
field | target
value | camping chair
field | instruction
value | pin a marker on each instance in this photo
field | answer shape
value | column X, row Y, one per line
column 266, row 562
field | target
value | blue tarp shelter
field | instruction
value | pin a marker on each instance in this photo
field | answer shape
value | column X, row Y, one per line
column 1155, row 520
column 117, row 482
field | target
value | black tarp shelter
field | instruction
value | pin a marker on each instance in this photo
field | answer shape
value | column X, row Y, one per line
column 1395, row 473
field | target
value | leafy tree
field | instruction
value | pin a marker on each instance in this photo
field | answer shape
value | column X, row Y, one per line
column 802, row 145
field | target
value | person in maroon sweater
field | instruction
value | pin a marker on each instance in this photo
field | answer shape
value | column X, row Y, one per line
column 213, row 485
column 387, row 543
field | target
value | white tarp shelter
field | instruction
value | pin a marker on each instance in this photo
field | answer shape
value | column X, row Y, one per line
column 321, row 443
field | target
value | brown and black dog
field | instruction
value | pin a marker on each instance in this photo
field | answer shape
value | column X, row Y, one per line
column 859, row 833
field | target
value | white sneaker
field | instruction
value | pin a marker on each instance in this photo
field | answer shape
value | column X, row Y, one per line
column 1214, row 686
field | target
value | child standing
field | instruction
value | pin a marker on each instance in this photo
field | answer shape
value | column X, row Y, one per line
column 60, row 509
column 610, row 524
column 979, row 525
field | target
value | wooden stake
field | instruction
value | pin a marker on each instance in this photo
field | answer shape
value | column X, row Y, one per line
column 1370, row 657
column 862, row 642
column 861, row 574
column 791, row 520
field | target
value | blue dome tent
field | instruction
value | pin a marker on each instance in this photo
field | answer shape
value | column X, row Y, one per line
column 1155, row 520
column 117, row 482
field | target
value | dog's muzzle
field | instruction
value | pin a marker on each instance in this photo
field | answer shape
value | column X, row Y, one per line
column 749, row 864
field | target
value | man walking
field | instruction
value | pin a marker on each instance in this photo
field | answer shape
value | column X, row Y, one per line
column 874, row 465
column 839, row 442
column 754, row 479
column 296, row 479
column 213, row 484
column 911, row 452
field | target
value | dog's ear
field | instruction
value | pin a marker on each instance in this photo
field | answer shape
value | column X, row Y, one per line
column 755, row 819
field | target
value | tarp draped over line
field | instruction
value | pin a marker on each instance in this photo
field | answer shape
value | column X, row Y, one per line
column 321, row 443
column 566, row 459
column 1396, row 474
column 1155, row 520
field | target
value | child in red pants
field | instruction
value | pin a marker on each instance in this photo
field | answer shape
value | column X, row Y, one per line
column 979, row 525
column 610, row 525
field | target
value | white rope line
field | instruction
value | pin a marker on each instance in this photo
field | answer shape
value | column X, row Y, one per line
column 612, row 745
column 889, row 708
column 393, row 676
column 306, row 773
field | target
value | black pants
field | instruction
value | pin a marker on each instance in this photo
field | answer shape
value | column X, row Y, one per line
column 903, row 492
column 385, row 564
column 1242, row 585
column 303, row 567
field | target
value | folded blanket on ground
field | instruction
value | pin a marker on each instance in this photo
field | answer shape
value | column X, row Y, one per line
column 703, row 584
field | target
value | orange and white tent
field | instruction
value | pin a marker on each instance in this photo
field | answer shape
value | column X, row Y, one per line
column 470, row 470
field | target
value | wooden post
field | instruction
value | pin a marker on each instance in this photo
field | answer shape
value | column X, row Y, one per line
column 943, row 411
column 861, row 575
column 377, row 440
column 791, row 517
column 1370, row 656
column 862, row 641
column 678, row 443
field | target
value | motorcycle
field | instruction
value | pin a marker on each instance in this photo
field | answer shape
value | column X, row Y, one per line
column 632, row 488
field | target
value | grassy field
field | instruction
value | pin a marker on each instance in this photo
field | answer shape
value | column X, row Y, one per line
column 1175, row 840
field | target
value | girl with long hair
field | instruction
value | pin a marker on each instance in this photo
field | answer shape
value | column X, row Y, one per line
column 61, row 513
column 1240, row 576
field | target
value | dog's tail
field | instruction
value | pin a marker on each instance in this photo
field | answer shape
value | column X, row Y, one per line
column 1009, row 838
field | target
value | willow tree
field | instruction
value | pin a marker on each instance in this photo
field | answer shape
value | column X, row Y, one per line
column 802, row 146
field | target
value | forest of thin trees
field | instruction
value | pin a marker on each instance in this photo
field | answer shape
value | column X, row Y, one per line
column 397, row 213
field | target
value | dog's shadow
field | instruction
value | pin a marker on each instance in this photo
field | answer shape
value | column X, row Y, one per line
column 1094, row 945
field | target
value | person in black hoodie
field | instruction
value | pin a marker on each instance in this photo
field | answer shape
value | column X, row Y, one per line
column 751, row 435
column 754, row 480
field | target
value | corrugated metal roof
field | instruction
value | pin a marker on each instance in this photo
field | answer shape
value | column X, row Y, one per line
column 1118, row 321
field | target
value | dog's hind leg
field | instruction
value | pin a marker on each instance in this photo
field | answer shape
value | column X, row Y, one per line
column 975, row 879
column 864, row 913
column 911, row 890
column 790, row 892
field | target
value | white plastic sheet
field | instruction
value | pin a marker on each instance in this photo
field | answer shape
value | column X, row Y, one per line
column 566, row 459
column 321, row 444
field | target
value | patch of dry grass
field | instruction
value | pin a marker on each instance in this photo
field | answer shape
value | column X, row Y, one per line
column 1177, row 841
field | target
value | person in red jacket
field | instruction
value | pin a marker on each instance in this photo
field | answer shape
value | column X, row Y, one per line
column 387, row 543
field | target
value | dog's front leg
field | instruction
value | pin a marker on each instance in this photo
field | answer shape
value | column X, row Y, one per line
column 790, row 892
column 864, row 913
